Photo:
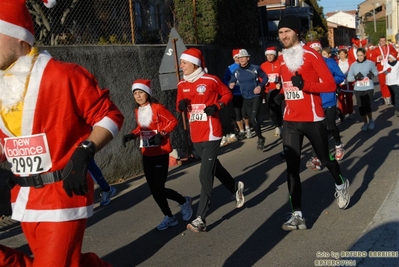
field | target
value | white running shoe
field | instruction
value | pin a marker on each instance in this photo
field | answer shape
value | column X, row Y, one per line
column 343, row 196
column 295, row 222
column 240, row 195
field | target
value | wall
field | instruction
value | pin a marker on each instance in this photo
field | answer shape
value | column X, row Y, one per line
column 116, row 67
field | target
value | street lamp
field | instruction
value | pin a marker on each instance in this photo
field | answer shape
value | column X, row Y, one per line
column 375, row 5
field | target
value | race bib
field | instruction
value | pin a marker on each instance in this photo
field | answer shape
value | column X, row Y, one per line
column 292, row 92
column 197, row 113
column 145, row 137
column 273, row 77
column 28, row 154
column 364, row 82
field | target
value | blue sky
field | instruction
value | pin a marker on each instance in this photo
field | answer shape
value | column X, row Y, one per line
column 337, row 5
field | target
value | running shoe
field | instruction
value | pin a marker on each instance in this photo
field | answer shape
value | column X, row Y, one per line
column 224, row 141
column 248, row 133
column 240, row 200
column 339, row 152
column 106, row 196
column 295, row 222
column 186, row 209
column 343, row 197
column 277, row 131
column 365, row 127
column 261, row 143
column 314, row 164
column 371, row 125
column 397, row 113
column 167, row 222
column 231, row 138
column 197, row 225
column 241, row 135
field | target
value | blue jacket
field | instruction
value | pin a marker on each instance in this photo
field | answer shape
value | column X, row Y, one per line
column 227, row 77
column 330, row 99
column 248, row 78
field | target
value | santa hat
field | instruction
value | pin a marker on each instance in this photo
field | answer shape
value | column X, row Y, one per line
column 142, row 84
column 271, row 51
column 314, row 45
column 235, row 53
column 341, row 47
column 194, row 56
column 356, row 41
column 16, row 21
column 292, row 22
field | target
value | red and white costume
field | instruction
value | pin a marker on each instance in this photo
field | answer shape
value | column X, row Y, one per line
column 380, row 57
column 162, row 121
column 63, row 102
column 206, row 91
column 305, row 105
column 272, row 69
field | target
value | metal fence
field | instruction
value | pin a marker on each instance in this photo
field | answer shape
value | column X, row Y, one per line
column 102, row 22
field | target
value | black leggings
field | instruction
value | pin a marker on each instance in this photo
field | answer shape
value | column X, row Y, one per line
column 276, row 111
column 293, row 135
column 156, row 173
column 251, row 108
column 211, row 167
column 363, row 99
column 330, row 114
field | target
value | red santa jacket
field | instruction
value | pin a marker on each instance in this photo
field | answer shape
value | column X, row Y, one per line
column 383, row 51
column 272, row 69
column 63, row 101
column 305, row 105
column 163, row 122
column 206, row 91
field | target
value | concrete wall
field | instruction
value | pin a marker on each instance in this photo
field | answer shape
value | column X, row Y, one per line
column 116, row 67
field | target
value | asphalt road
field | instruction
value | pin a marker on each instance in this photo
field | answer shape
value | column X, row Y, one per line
column 124, row 233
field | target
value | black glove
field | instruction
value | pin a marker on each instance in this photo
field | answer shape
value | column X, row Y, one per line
column 9, row 176
column 359, row 76
column 155, row 140
column 127, row 137
column 297, row 81
column 278, row 99
column 183, row 106
column 370, row 75
column 211, row 110
column 75, row 172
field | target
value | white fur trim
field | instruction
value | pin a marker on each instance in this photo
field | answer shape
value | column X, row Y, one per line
column 270, row 52
column 141, row 86
column 16, row 31
column 108, row 124
column 144, row 116
column 49, row 3
column 192, row 59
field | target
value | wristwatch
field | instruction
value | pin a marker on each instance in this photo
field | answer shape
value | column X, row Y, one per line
column 89, row 146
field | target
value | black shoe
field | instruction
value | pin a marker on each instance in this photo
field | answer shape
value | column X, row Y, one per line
column 261, row 143
column 241, row 135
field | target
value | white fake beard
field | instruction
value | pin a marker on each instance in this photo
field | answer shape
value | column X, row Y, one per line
column 144, row 116
column 13, row 83
column 293, row 57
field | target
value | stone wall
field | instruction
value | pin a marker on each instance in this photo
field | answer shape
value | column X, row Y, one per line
column 116, row 68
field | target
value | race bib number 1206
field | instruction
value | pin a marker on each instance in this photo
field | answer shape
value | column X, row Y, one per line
column 28, row 154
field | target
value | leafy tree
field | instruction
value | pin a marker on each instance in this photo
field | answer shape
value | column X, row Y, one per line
column 374, row 37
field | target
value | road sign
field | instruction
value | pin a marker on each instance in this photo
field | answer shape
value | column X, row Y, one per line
column 168, row 71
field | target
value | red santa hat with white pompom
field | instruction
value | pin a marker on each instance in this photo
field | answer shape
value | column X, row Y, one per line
column 16, row 21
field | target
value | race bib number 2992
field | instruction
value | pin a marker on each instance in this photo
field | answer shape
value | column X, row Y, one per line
column 28, row 154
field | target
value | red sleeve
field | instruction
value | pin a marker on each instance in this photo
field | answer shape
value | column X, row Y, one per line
column 167, row 117
column 179, row 95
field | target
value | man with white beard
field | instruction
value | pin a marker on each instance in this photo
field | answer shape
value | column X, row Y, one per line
column 304, row 76
column 53, row 119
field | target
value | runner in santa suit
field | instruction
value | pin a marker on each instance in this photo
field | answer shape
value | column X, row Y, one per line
column 154, row 124
column 356, row 43
column 380, row 57
column 54, row 118
column 272, row 68
column 304, row 75
column 202, row 96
